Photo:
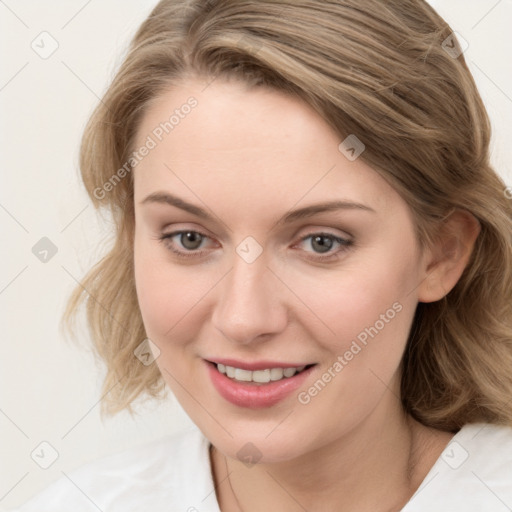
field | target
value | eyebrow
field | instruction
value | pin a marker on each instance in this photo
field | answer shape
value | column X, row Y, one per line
column 294, row 215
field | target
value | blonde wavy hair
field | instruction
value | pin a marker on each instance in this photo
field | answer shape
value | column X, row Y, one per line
column 390, row 72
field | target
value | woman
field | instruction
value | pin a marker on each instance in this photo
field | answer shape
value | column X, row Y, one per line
column 312, row 252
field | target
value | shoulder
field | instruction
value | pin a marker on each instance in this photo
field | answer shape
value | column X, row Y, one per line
column 482, row 451
column 473, row 473
column 165, row 474
column 170, row 454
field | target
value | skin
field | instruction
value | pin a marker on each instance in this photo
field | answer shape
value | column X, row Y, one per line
column 250, row 156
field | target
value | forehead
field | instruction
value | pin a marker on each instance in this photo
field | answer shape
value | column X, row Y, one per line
column 247, row 146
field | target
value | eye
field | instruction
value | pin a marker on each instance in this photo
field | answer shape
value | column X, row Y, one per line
column 325, row 245
column 190, row 243
column 185, row 243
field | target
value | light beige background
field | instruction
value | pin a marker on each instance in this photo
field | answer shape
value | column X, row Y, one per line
column 50, row 387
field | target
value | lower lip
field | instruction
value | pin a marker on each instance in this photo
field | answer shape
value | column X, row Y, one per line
column 255, row 395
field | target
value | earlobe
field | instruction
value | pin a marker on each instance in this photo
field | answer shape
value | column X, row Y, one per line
column 449, row 255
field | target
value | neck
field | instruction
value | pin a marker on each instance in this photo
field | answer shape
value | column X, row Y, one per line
column 377, row 465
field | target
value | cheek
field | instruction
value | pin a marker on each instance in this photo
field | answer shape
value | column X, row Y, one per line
column 165, row 295
column 366, row 310
column 363, row 348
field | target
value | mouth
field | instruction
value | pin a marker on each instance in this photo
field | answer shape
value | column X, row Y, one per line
column 257, row 388
column 263, row 376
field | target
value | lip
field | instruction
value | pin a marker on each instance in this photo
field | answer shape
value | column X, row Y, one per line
column 256, row 365
column 255, row 395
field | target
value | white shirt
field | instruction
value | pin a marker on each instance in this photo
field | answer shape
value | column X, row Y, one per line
column 173, row 474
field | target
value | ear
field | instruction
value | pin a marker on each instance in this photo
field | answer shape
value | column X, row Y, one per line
column 445, row 261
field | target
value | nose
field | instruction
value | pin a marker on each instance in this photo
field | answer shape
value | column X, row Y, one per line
column 250, row 303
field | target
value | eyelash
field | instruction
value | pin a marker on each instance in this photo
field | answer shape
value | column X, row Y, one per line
column 345, row 244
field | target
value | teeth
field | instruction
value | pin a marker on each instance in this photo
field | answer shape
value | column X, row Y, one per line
column 289, row 372
column 276, row 373
column 260, row 376
column 244, row 375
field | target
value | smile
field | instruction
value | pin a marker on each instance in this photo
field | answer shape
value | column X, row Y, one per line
column 259, row 376
column 257, row 388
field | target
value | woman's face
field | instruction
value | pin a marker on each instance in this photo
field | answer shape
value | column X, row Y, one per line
column 261, row 245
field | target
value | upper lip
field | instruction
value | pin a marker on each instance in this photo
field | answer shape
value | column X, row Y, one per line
column 256, row 365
